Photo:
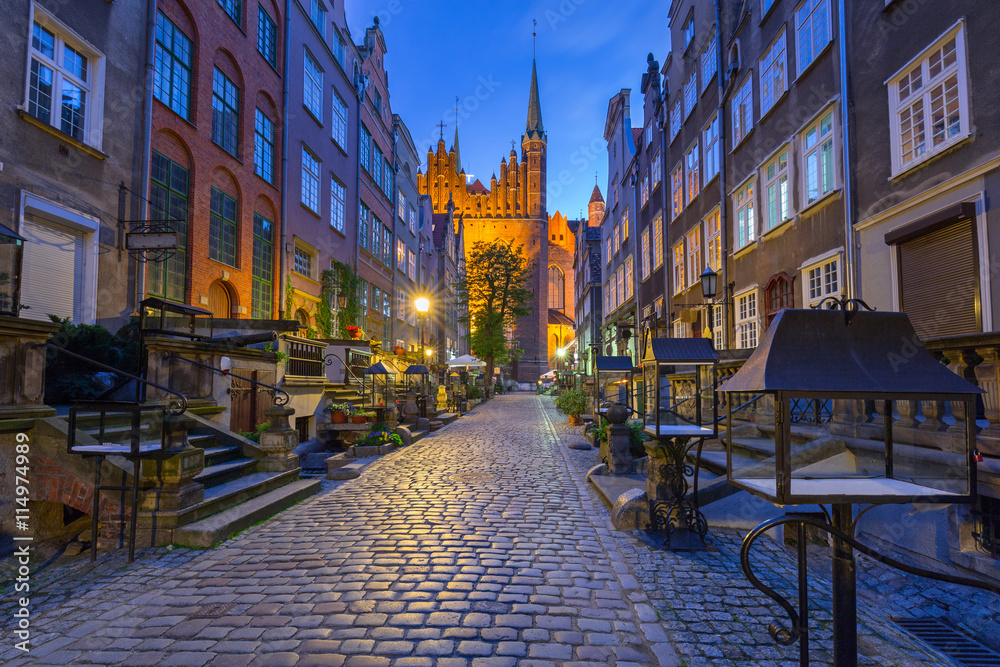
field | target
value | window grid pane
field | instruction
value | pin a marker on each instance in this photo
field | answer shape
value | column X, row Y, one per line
column 225, row 112
column 338, row 204
column 267, row 37
column 310, row 180
column 168, row 200
column 263, row 153
column 262, row 288
column 172, row 73
column 222, row 228
column 312, row 87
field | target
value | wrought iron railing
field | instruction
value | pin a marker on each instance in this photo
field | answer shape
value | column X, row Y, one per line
column 305, row 359
column 987, row 529
column 811, row 411
column 280, row 396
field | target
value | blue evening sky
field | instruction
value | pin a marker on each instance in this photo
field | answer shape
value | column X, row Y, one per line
column 587, row 51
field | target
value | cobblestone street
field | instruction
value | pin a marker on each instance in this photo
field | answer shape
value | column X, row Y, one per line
column 480, row 545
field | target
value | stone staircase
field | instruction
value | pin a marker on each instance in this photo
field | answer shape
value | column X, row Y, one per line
column 237, row 492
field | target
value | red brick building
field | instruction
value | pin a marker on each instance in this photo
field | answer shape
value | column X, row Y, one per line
column 216, row 147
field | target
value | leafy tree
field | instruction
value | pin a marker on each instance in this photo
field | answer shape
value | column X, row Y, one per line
column 493, row 295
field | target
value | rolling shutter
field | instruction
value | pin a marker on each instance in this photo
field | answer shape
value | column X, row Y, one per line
column 939, row 281
column 53, row 276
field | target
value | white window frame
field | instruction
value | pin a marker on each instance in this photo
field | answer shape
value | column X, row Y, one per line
column 898, row 105
column 717, row 330
column 644, row 192
column 93, row 119
column 747, row 315
column 338, row 131
column 692, row 172
column 312, row 86
column 713, row 240
column 712, row 149
column 338, row 204
column 825, row 270
column 656, row 170
column 806, row 151
column 709, row 60
column 780, row 180
column 806, row 14
column 677, row 191
column 629, row 277
column 658, row 240
column 676, row 119
column 644, row 263
column 411, row 264
column 677, row 266
column 692, row 243
column 691, row 92
column 309, row 252
column 742, row 111
column 773, row 73
column 745, row 229
column 311, row 180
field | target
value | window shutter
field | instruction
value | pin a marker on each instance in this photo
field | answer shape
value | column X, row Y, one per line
column 939, row 281
column 53, row 271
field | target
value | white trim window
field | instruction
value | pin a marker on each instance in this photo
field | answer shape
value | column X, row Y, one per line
column 773, row 79
column 656, row 170
column 821, row 280
column 677, row 191
column 688, row 32
column 618, row 238
column 711, row 143
column 338, row 204
column 691, row 92
column 644, row 250
column 694, row 267
column 649, row 133
column 691, row 167
column 717, row 332
column 339, row 125
column 412, row 212
column 777, row 199
column 625, row 226
column 765, row 6
column 621, row 284
column 678, row 257
column 812, row 31
column 65, row 80
column 676, row 118
column 609, row 251
column 680, row 329
column 263, row 143
column 743, row 112
column 411, row 264
column 401, row 204
column 929, row 102
column 172, row 71
column 312, row 86
column 658, row 240
column 629, row 276
column 746, row 228
column 746, row 320
column 400, row 255
column 713, row 240
column 304, row 263
column 310, row 180
column 818, row 159
column 709, row 60
column 644, row 191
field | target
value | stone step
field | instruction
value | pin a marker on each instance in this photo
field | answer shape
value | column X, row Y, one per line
column 215, row 528
column 227, row 471
column 221, row 454
column 714, row 461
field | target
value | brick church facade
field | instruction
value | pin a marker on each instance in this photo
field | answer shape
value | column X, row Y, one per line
column 512, row 208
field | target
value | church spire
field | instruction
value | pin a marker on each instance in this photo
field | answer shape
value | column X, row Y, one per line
column 458, row 154
column 534, row 106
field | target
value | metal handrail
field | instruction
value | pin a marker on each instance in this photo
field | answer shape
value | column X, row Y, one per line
column 275, row 391
column 328, row 361
column 175, row 407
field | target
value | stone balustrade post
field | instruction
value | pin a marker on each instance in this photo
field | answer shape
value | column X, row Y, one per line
column 987, row 374
column 907, row 414
column 963, row 364
column 279, row 442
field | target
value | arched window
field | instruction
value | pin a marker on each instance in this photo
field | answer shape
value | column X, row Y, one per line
column 557, row 288
column 778, row 295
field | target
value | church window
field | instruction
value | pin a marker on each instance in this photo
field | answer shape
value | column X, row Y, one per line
column 557, row 288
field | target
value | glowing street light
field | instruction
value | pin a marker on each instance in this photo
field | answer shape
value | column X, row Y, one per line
column 423, row 304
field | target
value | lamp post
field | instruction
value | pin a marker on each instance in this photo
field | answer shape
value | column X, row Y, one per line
column 709, row 283
column 422, row 305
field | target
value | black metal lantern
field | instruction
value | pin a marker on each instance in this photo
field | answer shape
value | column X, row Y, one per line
column 383, row 388
column 11, row 256
column 676, row 389
column 709, row 282
column 614, row 379
column 416, row 377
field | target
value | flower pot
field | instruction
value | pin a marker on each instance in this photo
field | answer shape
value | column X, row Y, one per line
column 371, row 420
column 338, row 417
column 574, row 420
column 359, row 419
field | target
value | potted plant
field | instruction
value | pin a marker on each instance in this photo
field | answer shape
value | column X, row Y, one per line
column 399, row 350
column 338, row 412
column 354, row 332
column 574, row 403
column 359, row 416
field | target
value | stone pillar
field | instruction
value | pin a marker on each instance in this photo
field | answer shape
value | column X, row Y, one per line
column 963, row 364
column 173, row 477
column 659, row 471
column 987, row 375
column 619, row 450
column 278, row 442
column 410, row 409
column 22, row 367
column 907, row 414
column 933, row 415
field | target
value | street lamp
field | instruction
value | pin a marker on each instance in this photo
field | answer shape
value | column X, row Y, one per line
column 709, row 283
column 422, row 305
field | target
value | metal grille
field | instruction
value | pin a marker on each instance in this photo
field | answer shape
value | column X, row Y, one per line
column 950, row 641
column 305, row 359
column 811, row 410
column 987, row 531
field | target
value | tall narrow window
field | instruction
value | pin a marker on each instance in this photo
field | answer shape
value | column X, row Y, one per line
column 777, row 296
column 711, row 144
column 746, row 228
column 658, row 240
column 678, row 255
column 713, row 241
column 388, row 178
column 310, row 180
column 694, row 267
column 411, row 264
column 312, row 86
column 172, row 72
column 400, row 255
column 629, row 277
column 263, row 149
column 677, row 191
column 222, row 228
column 267, row 37
column 262, row 287
column 709, row 60
column 168, row 200
column 364, row 232
column 225, row 112
column 743, row 112
column 691, row 162
column 676, row 119
column 339, row 120
column 317, row 14
column 776, row 197
column 338, row 204
column 644, row 250
column 691, row 92
column 773, row 81
column 818, row 158
column 812, row 30
column 746, row 320
column 557, row 288
column 234, row 8
column 376, row 171
column 365, row 149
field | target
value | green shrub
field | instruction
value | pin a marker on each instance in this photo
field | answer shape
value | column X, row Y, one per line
column 474, row 392
column 378, row 435
column 573, row 402
column 68, row 379
column 636, row 437
column 255, row 435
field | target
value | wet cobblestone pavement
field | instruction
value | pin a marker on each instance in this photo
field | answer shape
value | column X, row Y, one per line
column 481, row 545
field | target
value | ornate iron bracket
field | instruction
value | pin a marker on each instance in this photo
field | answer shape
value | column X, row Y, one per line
column 798, row 618
column 679, row 512
column 851, row 307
